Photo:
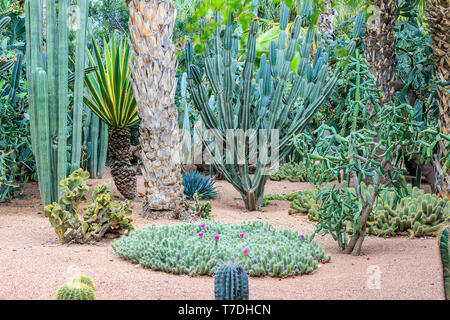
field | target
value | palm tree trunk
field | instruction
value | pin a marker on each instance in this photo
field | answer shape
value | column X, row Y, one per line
column 438, row 13
column 123, row 172
column 154, row 83
column 380, row 47
column 326, row 20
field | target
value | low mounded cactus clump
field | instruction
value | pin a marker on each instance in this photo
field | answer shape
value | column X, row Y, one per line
column 199, row 247
column 418, row 214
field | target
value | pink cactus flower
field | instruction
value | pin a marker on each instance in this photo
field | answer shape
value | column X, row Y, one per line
column 194, row 218
column 200, row 234
column 368, row 259
column 245, row 251
column 216, row 237
column 268, row 229
column 303, row 237
column 203, row 225
column 241, row 235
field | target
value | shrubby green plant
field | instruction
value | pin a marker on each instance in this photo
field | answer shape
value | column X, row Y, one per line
column 101, row 217
column 377, row 153
column 199, row 210
column 200, row 247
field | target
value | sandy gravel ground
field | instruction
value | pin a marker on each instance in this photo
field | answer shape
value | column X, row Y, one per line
column 33, row 264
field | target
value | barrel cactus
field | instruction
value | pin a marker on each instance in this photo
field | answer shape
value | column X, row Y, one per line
column 445, row 258
column 84, row 279
column 75, row 290
column 231, row 282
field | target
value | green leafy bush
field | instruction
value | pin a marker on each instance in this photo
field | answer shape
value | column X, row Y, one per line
column 101, row 217
column 199, row 247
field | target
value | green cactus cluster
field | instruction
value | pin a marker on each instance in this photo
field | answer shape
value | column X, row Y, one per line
column 102, row 216
column 296, row 172
column 231, row 282
column 304, row 202
column 79, row 288
column 417, row 214
column 444, row 251
column 47, row 67
column 200, row 247
column 279, row 94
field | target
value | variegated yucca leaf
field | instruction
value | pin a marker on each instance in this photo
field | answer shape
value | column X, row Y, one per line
column 111, row 95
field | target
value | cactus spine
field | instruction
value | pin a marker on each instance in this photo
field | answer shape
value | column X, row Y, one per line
column 264, row 104
column 231, row 282
column 48, row 91
column 445, row 258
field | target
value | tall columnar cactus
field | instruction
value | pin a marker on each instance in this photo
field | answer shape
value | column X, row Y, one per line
column 231, row 282
column 265, row 101
column 445, row 258
column 97, row 144
column 47, row 74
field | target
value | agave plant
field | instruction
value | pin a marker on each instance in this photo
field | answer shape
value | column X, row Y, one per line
column 196, row 182
column 112, row 100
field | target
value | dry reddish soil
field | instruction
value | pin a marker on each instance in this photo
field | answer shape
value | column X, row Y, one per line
column 33, row 264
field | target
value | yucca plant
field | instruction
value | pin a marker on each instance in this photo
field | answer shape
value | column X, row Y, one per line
column 112, row 100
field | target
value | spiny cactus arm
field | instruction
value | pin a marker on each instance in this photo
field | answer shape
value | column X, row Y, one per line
column 79, row 86
column 300, row 123
column 44, row 135
column 52, row 75
column 63, row 67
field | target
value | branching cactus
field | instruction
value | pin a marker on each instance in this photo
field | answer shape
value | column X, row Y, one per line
column 231, row 282
column 445, row 258
column 47, row 75
column 275, row 100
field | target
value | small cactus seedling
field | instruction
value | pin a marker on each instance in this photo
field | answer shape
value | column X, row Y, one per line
column 231, row 282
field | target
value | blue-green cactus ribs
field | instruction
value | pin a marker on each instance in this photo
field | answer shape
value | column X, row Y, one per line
column 231, row 282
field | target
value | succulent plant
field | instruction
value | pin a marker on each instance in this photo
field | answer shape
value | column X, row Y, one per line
column 196, row 182
column 75, row 291
column 84, row 279
column 296, row 172
column 201, row 210
column 102, row 216
column 231, row 282
column 418, row 214
column 193, row 248
column 272, row 98
column 444, row 251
